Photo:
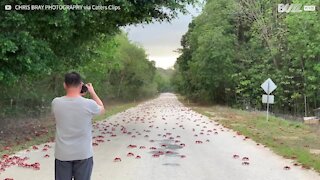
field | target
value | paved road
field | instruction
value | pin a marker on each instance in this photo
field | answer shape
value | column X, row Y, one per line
column 166, row 125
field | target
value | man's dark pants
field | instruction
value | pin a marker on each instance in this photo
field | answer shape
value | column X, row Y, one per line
column 78, row 169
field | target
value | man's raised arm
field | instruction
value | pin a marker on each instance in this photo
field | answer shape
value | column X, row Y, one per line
column 95, row 97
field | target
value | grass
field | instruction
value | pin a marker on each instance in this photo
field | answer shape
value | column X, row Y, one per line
column 115, row 108
column 19, row 143
column 292, row 140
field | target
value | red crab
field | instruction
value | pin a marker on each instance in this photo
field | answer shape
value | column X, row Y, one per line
column 138, row 157
column 245, row 163
column 130, row 154
column 36, row 166
column 46, row 156
column 117, row 159
column 132, row 146
column 245, row 159
column 286, row 168
column 235, row 156
column 155, row 155
column 47, row 146
column 153, row 148
column 100, row 140
column 160, row 153
column 198, row 142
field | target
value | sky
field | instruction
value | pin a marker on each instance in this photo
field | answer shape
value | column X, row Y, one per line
column 161, row 40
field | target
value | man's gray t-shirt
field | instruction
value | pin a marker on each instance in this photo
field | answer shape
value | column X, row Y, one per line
column 73, row 117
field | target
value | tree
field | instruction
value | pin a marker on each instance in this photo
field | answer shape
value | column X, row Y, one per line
column 233, row 46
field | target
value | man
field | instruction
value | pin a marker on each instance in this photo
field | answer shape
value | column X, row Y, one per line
column 73, row 115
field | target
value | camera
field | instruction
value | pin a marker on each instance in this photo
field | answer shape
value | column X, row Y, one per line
column 84, row 89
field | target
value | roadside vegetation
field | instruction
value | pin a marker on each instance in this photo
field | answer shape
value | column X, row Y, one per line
column 292, row 140
column 232, row 47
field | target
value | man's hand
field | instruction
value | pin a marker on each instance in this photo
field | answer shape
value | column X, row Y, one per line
column 90, row 88
column 95, row 97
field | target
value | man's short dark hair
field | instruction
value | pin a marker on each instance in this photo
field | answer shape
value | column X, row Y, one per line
column 72, row 79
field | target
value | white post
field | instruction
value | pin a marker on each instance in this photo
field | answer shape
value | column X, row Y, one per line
column 268, row 102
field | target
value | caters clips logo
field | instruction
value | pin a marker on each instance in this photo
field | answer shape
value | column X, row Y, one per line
column 286, row 8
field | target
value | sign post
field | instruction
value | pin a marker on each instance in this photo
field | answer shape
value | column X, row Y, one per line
column 268, row 86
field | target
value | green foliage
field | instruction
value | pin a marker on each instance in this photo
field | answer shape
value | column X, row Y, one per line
column 233, row 46
column 207, row 46
column 163, row 79
column 135, row 72
column 38, row 47
column 36, row 41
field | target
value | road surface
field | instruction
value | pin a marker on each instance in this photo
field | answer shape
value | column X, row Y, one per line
column 157, row 141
